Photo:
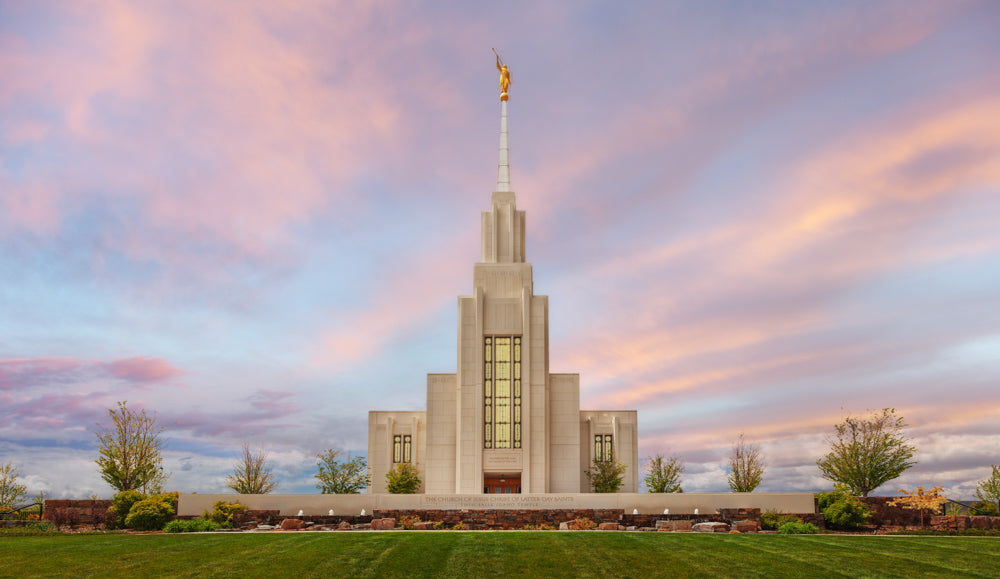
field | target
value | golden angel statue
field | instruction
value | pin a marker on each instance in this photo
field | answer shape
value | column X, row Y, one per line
column 504, row 77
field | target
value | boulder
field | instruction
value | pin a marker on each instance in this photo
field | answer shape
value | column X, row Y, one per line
column 383, row 524
column 674, row 526
column 607, row 527
column 745, row 526
column 423, row 526
column 569, row 526
column 292, row 525
column 710, row 527
column 344, row 526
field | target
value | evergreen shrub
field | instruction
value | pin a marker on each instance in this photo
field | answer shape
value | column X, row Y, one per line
column 842, row 511
column 149, row 514
column 798, row 529
column 771, row 520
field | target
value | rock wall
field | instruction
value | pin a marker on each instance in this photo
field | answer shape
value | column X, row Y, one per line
column 87, row 512
column 503, row 519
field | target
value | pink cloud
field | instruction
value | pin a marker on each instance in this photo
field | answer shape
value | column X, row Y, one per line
column 142, row 369
column 27, row 373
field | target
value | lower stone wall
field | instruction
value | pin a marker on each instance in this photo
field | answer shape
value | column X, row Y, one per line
column 945, row 523
column 495, row 519
column 85, row 512
column 723, row 516
column 249, row 518
column 886, row 515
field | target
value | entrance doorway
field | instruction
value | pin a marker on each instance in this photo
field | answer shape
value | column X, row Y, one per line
column 502, row 484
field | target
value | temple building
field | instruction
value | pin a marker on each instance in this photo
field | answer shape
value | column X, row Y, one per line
column 502, row 423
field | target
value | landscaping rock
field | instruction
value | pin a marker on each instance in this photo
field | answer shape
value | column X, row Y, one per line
column 709, row 527
column 292, row 525
column 569, row 526
column 423, row 526
column 607, row 527
column 745, row 526
column 673, row 526
column 344, row 526
column 383, row 524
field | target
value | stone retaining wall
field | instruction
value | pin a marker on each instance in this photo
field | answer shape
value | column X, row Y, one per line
column 495, row 519
column 88, row 512
column 246, row 518
column 946, row 523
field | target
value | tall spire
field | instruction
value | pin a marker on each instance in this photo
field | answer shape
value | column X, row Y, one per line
column 503, row 168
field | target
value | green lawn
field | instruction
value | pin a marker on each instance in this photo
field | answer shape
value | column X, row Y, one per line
column 528, row 554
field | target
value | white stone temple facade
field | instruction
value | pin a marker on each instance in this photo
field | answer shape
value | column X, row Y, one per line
column 502, row 423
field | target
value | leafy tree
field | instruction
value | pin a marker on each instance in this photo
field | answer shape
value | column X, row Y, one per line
column 129, row 456
column 988, row 490
column 402, row 479
column 341, row 477
column 920, row 500
column 607, row 475
column 746, row 466
column 251, row 473
column 867, row 452
column 11, row 492
column 663, row 474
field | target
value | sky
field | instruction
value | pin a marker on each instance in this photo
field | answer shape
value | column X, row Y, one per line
column 254, row 218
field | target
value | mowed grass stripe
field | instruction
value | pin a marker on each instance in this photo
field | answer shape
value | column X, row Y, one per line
column 456, row 554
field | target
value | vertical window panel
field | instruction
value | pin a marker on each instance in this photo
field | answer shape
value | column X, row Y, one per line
column 397, row 448
column 502, row 392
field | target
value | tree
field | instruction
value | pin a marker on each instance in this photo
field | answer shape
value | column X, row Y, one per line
column 251, row 473
column 867, row 452
column 129, row 456
column 402, row 479
column 663, row 474
column 607, row 475
column 341, row 478
column 920, row 500
column 11, row 492
column 988, row 490
column 746, row 466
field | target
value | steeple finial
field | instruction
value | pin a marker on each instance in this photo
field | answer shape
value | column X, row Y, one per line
column 503, row 168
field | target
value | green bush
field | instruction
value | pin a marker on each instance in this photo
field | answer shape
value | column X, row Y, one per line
column 121, row 504
column 798, row 529
column 771, row 520
column 842, row 511
column 149, row 514
column 222, row 513
column 984, row 508
column 402, row 479
column 192, row 526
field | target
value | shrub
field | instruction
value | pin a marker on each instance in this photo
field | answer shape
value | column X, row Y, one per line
column 842, row 511
column 403, row 479
column 408, row 522
column 771, row 520
column 67, row 517
column 121, row 504
column 222, row 513
column 585, row 524
column 798, row 529
column 192, row 526
column 985, row 508
column 149, row 515
column 546, row 527
column 459, row 526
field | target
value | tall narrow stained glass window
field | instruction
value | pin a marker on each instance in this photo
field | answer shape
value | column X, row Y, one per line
column 603, row 447
column 402, row 447
column 502, row 392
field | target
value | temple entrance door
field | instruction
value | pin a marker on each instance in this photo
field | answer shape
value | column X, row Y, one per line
column 502, row 484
